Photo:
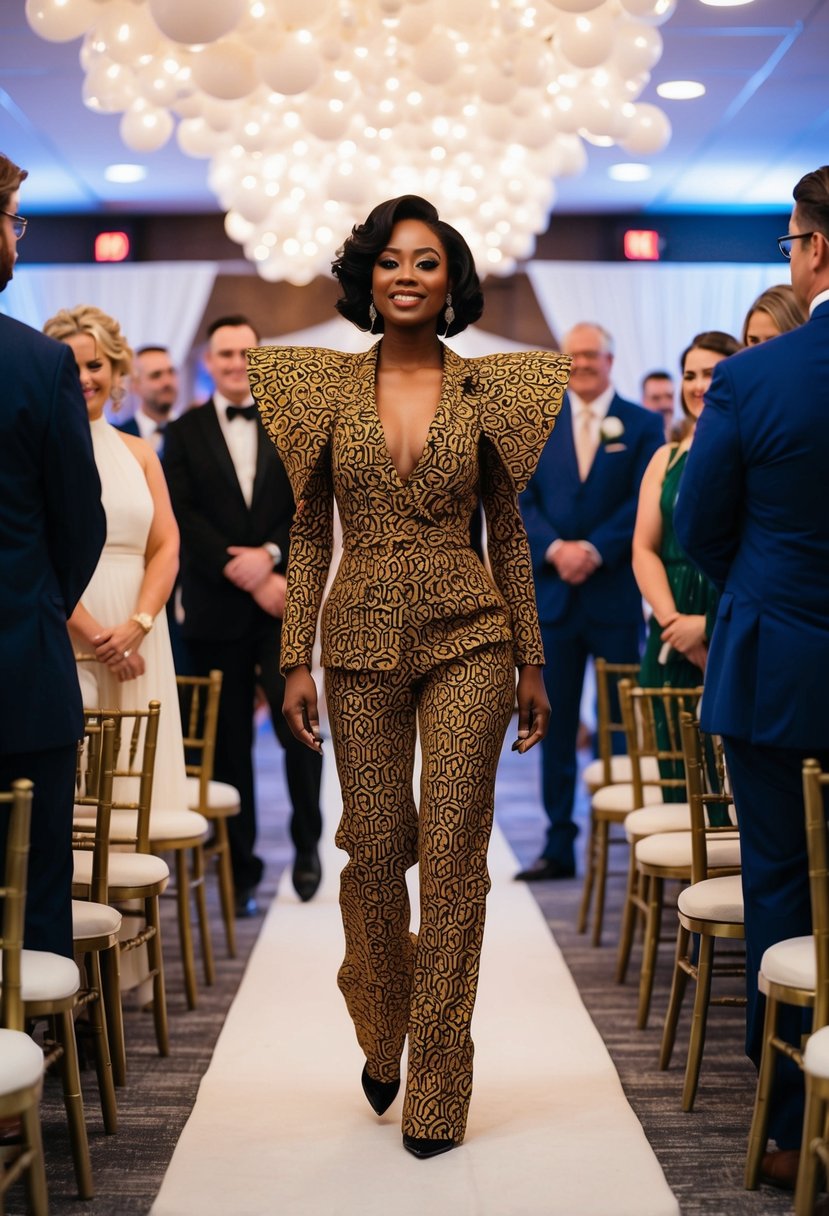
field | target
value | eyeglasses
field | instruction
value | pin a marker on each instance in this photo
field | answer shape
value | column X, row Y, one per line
column 18, row 224
column 784, row 243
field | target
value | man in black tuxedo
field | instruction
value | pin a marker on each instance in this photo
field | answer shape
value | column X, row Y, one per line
column 52, row 530
column 234, row 507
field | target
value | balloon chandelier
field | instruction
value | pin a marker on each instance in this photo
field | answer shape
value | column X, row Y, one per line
column 311, row 111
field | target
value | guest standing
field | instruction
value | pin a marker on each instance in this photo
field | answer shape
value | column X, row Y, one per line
column 155, row 383
column 416, row 634
column 774, row 312
column 52, row 528
column 752, row 512
column 579, row 510
column 234, row 506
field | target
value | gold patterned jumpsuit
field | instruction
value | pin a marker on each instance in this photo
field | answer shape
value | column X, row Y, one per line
column 417, row 636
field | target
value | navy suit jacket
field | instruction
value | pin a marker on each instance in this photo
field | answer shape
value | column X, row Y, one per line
column 52, row 530
column 212, row 514
column 601, row 509
column 130, row 427
column 753, row 513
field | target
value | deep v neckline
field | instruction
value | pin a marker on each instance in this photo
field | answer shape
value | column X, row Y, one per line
column 428, row 441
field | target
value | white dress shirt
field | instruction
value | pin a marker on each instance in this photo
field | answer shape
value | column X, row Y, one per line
column 598, row 407
column 148, row 429
column 242, row 439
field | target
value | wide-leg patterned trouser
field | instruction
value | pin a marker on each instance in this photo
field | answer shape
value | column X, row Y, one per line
column 395, row 984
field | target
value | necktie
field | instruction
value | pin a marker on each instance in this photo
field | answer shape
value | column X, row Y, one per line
column 247, row 412
column 585, row 443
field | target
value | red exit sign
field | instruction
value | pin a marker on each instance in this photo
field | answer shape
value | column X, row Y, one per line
column 112, row 247
column 642, row 245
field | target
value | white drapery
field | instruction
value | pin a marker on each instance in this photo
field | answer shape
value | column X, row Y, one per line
column 652, row 311
column 155, row 302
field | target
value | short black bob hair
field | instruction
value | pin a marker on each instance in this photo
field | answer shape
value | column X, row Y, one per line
column 355, row 262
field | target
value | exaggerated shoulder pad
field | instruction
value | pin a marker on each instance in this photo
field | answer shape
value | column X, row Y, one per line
column 297, row 389
column 520, row 395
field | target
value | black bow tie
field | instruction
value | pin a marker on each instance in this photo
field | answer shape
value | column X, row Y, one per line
column 241, row 411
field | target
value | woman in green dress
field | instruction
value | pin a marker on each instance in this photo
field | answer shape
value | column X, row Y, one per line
column 682, row 600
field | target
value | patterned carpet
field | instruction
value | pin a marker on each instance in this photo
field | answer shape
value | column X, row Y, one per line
column 701, row 1153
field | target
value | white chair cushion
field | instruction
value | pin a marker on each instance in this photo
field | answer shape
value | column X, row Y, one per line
column 717, row 899
column 593, row 773
column 220, row 795
column 791, row 962
column 620, row 797
column 21, row 1061
column 164, row 824
column 816, row 1053
column 125, row 870
column 666, row 817
column 673, row 850
column 93, row 920
column 45, row 976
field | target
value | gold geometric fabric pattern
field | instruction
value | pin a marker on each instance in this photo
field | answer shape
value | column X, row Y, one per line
column 407, row 563
column 394, row 985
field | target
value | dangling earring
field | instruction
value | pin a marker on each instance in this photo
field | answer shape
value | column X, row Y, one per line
column 449, row 314
column 372, row 316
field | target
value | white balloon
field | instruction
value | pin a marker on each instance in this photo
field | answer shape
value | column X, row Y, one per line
column 109, row 87
column 574, row 6
column 436, row 62
column 251, row 202
column 195, row 21
column 655, row 12
column 494, row 86
column 415, row 23
column 221, row 115
column 585, row 41
column 156, row 84
column 145, row 128
column 572, row 156
column 238, row 228
column 128, row 31
column 326, row 120
column 196, row 138
column 58, row 21
column 293, row 68
column 636, row 48
column 649, row 131
column 225, row 69
column 301, row 13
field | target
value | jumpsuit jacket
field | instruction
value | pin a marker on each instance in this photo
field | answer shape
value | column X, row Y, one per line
column 408, row 577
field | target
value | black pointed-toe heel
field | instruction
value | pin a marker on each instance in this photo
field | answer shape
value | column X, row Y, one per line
column 426, row 1148
column 380, row 1094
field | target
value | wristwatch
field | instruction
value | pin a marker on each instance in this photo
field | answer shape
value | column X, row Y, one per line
column 144, row 620
column 274, row 551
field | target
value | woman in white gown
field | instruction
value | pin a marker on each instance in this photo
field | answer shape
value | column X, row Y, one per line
column 120, row 618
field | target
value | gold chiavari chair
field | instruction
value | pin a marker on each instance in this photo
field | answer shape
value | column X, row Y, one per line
column 609, row 781
column 134, row 873
column 711, row 907
column 21, row 1060
column 796, row 972
column 216, row 800
column 660, row 837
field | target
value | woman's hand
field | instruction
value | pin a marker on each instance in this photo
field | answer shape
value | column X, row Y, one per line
column 115, row 645
column 685, row 634
column 129, row 668
column 300, row 707
column 533, row 709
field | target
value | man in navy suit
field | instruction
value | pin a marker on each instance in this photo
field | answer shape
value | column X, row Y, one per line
column 752, row 513
column 52, row 530
column 155, row 383
column 234, row 506
column 579, row 510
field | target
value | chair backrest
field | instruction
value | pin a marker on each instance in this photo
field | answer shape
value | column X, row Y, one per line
column 651, row 718
column 709, row 792
column 815, row 783
column 93, row 789
column 608, row 709
column 135, row 742
column 199, row 704
column 13, row 892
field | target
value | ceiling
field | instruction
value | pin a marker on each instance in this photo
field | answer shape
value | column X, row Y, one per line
column 763, row 122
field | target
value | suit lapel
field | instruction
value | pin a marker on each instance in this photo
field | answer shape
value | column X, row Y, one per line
column 219, row 452
column 564, row 423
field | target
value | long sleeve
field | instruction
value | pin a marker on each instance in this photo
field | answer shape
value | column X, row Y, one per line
column 308, row 565
column 509, row 556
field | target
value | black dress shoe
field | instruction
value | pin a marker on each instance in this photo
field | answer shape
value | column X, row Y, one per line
column 426, row 1148
column 307, row 875
column 380, row 1094
column 545, row 868
column 245, row 905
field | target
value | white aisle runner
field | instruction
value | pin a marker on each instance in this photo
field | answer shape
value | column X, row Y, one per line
column 281, row 1126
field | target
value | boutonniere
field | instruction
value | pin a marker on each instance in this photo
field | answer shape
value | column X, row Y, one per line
column 611, row 430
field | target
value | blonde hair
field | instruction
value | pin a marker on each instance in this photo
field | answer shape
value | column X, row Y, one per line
column 104, row 331
column 779, row 303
